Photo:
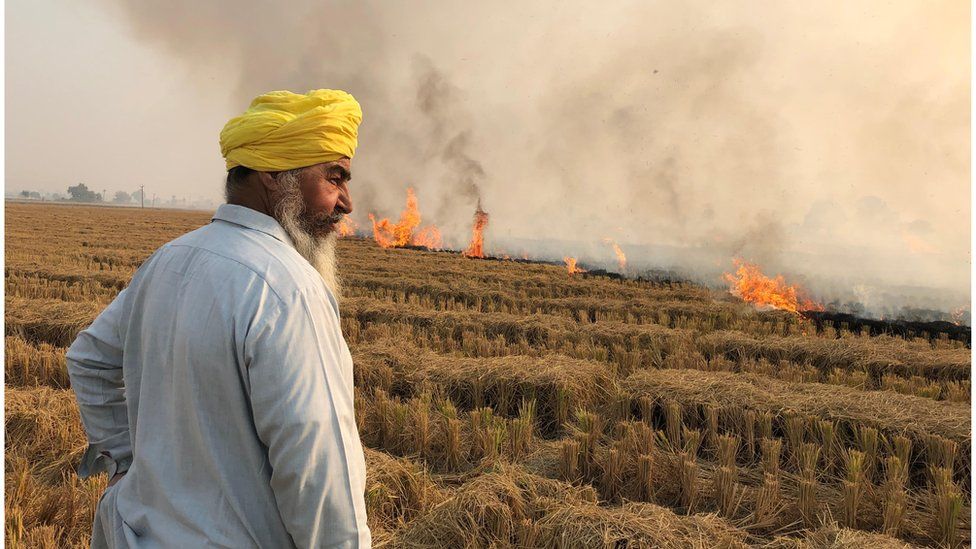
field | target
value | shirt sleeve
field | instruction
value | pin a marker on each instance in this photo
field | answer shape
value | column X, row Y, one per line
column 94, row 363
column 302, row 402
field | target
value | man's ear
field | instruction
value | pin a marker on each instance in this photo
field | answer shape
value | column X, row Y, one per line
column 268, row 180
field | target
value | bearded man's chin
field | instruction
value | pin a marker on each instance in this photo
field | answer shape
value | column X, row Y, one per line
column 323, row 231
column 318, row 228
column 319, row 251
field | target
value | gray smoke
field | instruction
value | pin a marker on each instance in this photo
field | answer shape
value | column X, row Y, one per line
column 828, row 142
column 448, row 135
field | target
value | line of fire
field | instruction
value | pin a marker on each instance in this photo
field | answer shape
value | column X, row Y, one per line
column 746, row 281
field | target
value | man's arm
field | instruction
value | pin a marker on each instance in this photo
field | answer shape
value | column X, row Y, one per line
column 303, row 412
column 95, row 368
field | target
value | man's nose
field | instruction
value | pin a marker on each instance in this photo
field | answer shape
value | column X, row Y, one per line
column 344, row 202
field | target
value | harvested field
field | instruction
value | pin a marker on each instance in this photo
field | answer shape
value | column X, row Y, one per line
column 849, row 410
column 509, row 404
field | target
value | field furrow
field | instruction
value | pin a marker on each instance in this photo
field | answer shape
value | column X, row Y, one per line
column 511, row 404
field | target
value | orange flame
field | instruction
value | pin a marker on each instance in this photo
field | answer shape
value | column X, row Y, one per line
column 750, row 284
column 396, row 235
column 383, row 232
column 621, row 258
column 477, row 246
column 346, row 227
column 571, row 266
column 428, row 237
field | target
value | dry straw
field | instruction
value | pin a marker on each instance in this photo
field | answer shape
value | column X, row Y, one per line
column 492, row 510
column 853, row 486
column 30, row 365
column 689, row 482
column 895, row 497
column 832, row 536
column 558, row 383
column 463, row 367
column 874, row 416
column 947, row 505
column 672, row 415
column 771, row 449
column 49, row 321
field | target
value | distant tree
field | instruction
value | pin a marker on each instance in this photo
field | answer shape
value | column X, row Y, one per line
column 122, row 197
column 81, row 193
column 25, row 194
column 35, row 194
column 137, row 195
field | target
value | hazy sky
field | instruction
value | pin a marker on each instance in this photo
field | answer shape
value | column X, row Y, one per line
column 825, row 139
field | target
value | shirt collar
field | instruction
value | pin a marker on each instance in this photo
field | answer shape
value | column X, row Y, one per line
column 251, row 219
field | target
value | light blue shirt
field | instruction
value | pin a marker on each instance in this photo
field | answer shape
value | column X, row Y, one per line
column 220, row 380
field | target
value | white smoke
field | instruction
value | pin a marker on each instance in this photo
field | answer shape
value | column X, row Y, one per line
column 829, row 142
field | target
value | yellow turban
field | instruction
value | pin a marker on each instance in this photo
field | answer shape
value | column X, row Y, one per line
column 282, row 130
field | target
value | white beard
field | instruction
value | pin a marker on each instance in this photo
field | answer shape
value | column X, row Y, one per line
column 319, row 251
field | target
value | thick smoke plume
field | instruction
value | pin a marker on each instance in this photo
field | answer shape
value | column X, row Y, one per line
column 828, row 142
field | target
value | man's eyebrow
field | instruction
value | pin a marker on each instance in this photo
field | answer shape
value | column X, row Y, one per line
column 344, row 173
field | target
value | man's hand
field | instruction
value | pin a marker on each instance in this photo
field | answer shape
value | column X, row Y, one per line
column 114, row 479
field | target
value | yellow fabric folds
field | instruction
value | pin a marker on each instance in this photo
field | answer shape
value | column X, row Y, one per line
column 282, row 130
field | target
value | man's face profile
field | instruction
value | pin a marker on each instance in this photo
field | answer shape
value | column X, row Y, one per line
column 309, row 203
column 325, row 191
column 321, row 191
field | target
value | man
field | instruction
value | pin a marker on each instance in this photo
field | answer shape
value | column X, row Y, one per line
column 216, row 389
